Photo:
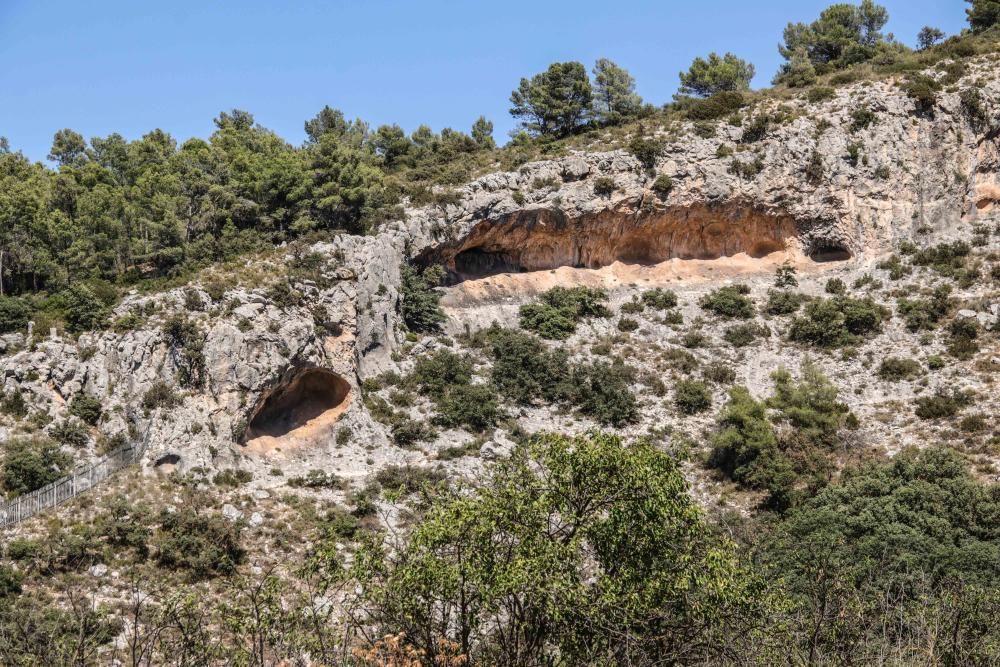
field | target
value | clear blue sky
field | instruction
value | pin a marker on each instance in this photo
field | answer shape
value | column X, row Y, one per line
column 129, row 66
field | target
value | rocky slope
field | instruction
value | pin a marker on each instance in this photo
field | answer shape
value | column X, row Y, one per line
column 819, row 188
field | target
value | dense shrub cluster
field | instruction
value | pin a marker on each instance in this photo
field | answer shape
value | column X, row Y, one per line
column 730, row 301
column 837, row 321
column 557, row 311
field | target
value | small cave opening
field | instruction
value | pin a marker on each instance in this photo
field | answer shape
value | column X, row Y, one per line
column 302, row 395
column 829, row 253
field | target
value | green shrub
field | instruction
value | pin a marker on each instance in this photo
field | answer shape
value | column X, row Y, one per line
column 407, row 432
column 70, row 432
column 942, row 404
column 318, row 479
column 232, row 477
column 692, row 397
column 819, row 94
column 187, row 345
column 717, row 106
column 730, row 301
column 160, row 395
column 962, row 334
column 894, row 369
column 921, row 314
column 14, row 314
column 837, row 321
column 470, row 405
column 745, row 448
column 663, row 186
column 557, row 312
column 783, row 302
column 408, row 479
column 627, row 324
column 204, row 545
column 719, row 372
column 646, row 150
column 741, row 335
column 633, row 307
column 31, row 462
column 524, row 369
column 923, row 91
column 604, row 186
column 862, row 118
column 602, row 391
column 660, row 298
column 784, row 276
column 419, row 298
column 835, row 286
column 84, row 311
column 946, row 259
column 435, row 373
column 86, row 407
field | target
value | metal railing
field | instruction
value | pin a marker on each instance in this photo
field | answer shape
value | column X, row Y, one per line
column 82, row 479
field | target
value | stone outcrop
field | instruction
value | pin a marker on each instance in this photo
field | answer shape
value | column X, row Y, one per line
column 912, row 172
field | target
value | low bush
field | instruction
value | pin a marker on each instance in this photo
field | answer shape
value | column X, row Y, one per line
column 730, row 301
column 942, row 404
column 660, row 298
column 205, row 545
column 557, row 312
column 837, row 321
column 14, row 314
column 894, row 369
column 692, row 397
column 31, row 462
column 473, row 406
column 741, row 335
column 783, row 302
column 407, row 479
column 86, row 407
column 419, row 298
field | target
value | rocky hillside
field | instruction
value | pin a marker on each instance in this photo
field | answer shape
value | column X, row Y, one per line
column 833, row 185
column 799, row 286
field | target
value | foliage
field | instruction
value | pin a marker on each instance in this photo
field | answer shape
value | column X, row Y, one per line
column 894, row 369
column 741, row 335
column 983, row 14
column 837, row 321
column 556, row 101
column 716, row 75
column 663, row 186
column 31, row 462
column 604, row 186
column 14, row 314
column 925, row 313
column 928, row 37
column 646, row 151
column 524, row 369
column 784, row 276
column 187, row 344
column 843, row 35
column 729, row 301
column 692, row 397
column 473, row 406
column 716, row 106
column 84, row 310
column 600, row 538
column 895, row 546
column 557, row 311
column 614, row 96
column 783, row 302
column 86, row 407
column 659, row 298
column 205, row 545
column 942, row 404
column 601, row 391
column 418, row 302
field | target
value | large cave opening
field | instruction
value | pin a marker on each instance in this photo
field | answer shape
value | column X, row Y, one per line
column 300, row 399
column 545, row 239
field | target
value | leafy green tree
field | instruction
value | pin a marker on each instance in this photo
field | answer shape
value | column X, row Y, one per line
column 68, row 148
column 347, row 189
column 557, row 101
column 575, row 550
column 893, row 549
column 391, row 143
column 84, row 310
column 745, row 447
column 557, row 311
column 14, row 314
column 716, row 75
column 614, row 92
column 31, row 462
column 928, row 37
column 418, row 302
column 983, row 14
column 482, row 133
column 843, row 34
column 332, row 121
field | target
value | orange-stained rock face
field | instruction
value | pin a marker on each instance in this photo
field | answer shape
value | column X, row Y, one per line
column 302, row 398
column 542, row 239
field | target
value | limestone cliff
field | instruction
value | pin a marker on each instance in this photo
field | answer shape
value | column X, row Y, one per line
column 816, row 186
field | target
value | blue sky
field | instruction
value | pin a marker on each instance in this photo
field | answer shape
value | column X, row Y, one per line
column 129, row 66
